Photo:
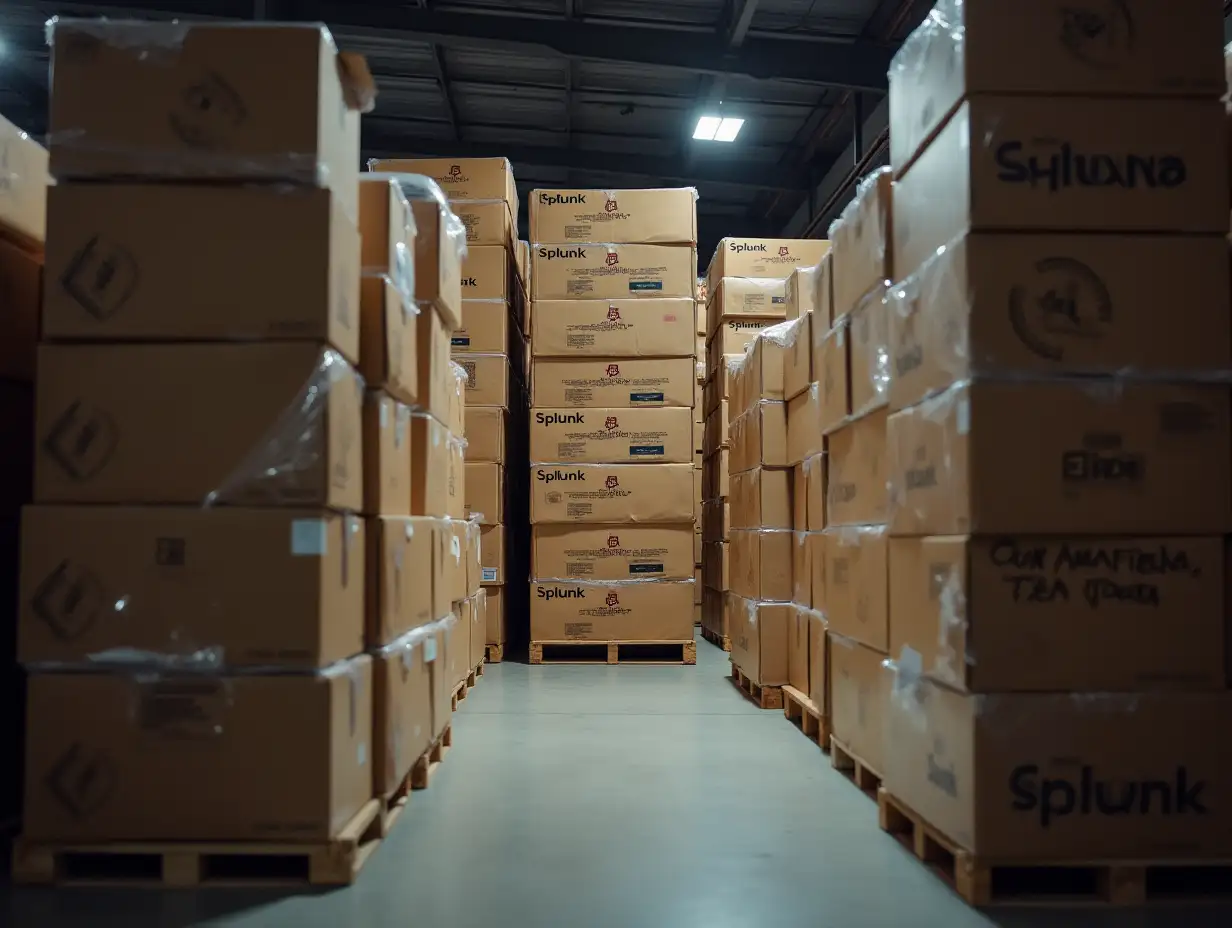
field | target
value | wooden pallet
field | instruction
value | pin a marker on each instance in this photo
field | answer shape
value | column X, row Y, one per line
column 719, row 641
column 613, row 652
column 805, row 714
column 333, row 862
column 425, row 768
column 462, row 689
column 394, row 804
column 866, row 779
column 982, row 882
column 768, row 697
column 495, row 653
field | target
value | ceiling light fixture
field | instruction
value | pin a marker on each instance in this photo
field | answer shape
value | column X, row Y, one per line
column 717, row 129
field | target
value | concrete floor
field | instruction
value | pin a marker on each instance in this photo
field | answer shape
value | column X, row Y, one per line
column 610, row 797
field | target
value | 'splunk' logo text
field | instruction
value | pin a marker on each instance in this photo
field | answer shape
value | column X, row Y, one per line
column 1058, row 166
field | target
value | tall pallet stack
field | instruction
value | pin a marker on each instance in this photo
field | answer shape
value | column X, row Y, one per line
column 491, row 349
column 747, row 293
column 699, row 441
column 612, row 448
column 23, row 225
column 1059, row 451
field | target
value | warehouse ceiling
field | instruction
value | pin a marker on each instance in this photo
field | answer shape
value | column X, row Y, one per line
column 602, row 93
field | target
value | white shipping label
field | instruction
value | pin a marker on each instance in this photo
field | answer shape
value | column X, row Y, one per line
column 309, row 537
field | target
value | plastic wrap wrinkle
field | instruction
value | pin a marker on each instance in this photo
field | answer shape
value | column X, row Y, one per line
column 784, row 334
column 867, row 183
column 850, row 536
column 952, row 625
column 419, row 187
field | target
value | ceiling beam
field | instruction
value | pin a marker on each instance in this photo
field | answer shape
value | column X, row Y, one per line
column 844, row 63
column 741, row 21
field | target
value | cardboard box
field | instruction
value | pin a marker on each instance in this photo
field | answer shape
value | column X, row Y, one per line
column 389, row 339
column 404, row 577
column 716, row 479
column 760, row 375
column 989, row 304
column 819, row 661
column 436, row 386
column 804, row 425
column 487, row 222
column 761, row 563
column 479, row 628
column 697, row 588
column 870, row 355
column 456, row 420
column 492, row 553
column 759, row 437
column 824, row 313
column 21, row 295
column 984, row 48
column 610, row 272
column 799, row 499
column 857, row 584
column 436, row 657
column 486, row 273
column 801, row 571
column 269, row 587
column 611, row 436
column 231, row 423
column 716, row 519
column 832, row 368
column 613, row 328
column 453, row 537
column 401, row 712
column 611, row 552
column 595, row 384
column 458, row 644
column 761, row 498
column 665, row 216
column 199, row 104
column 859, row 466
column 986, row 171
column 743, row 298
column 798, row 360
column 860, row 700
column 577, row 610
column 612, row 493
column 816, row 543
column 120, row 254
column 485, row 493
column 814, row 469
column 485, row 433
column 23, row 212
column 1138, row 459
column 473, row 554
column 496, row 614
column 487, row 379
column 763, row 257
column 759, row 639
column 485, row 328
column 431, row 467
column 1053, row 776
column 460, row 178
column 714, row 612
column 1078, row 614
column 717, row 432
column 386, row 455
column 102, row 751
column 439, row 241
column 386, row 231
column 862, row 253
column 801, row 291
column 733, row 337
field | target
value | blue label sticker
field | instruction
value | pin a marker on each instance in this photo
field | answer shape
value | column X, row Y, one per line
column 637, row 285
column 646, row 398
column 646, row 568
column 461, row 341
column 646, row 451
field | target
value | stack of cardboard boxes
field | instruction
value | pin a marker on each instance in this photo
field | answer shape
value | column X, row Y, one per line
column 1058, row 452
column 613, row 385
column 489, row 346
column 699, row 442
column 747, row 286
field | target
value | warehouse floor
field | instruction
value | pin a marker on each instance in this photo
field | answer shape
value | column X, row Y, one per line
column 609, row 797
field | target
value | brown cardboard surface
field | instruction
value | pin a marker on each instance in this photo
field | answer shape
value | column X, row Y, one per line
column 860, row 698
column 612, row 552
column 604, row 383
column 118, row 255
column 804, row 425
column 1143, row 458
column 199, row 102
column 435, row 390
column 473, row 554
column 799, row 499
column 987, row 47
column 436, row 656
column 801, row 570
column 109, row 757
column 819, row 662
column 612, row 493
column 21, row 295
column 485, row 328
column 386, row 455
column 1061, row 614
column 401, row 714
column 992, row 304
column 857, row 582
column 267, row 586
column 404, row 579
column 870, row 354
column 389, row 342
column 859, row 466
column 23, row 211
column 614, row 436
column 716, row 478
column 485, row 433
column 832, row 368
column 487, row 223
column 759, row 639
column 487, row 273
column 732, row 337
column 816, row 543
column 814, row 469
column 458, row 643
column 761, row 564
column 798, row 650
column 492, row 553
column 801, row 291
column 659, row 610
column 716, row 519
column 460, row 178
column 610, row 272
column 862, row 254
column 759, row 437
column 1062, row 777
column 485, row 492
column 714, row 612
column 664, row 216
column 217, row 422
column 798, row 362
column 760, row 376
column 824, row 313
column 386, row 230
column 613, row 328
column 717, row 432
column 743, row 298
column 719, row 383
column 460, row 377
column 487, row 379
column 430, row 467
column 761, row 498
column 496, row 614
column 1105, row 172
column 438, row 266
column 457, row 566
column 479, row 628
column 763, row 257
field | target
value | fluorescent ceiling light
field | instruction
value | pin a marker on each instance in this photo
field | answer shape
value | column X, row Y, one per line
column 707, row 126
column 728, row 130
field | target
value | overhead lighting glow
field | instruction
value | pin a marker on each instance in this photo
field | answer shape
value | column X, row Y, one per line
column 728, row 130
column 707, row 126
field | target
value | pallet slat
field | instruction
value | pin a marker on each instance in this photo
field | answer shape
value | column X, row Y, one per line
column 805, row 715
column 495, row 653
column 613, row 652
column 719, row 641
column 767, row 697
column 866, row 779
column 462, row 689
